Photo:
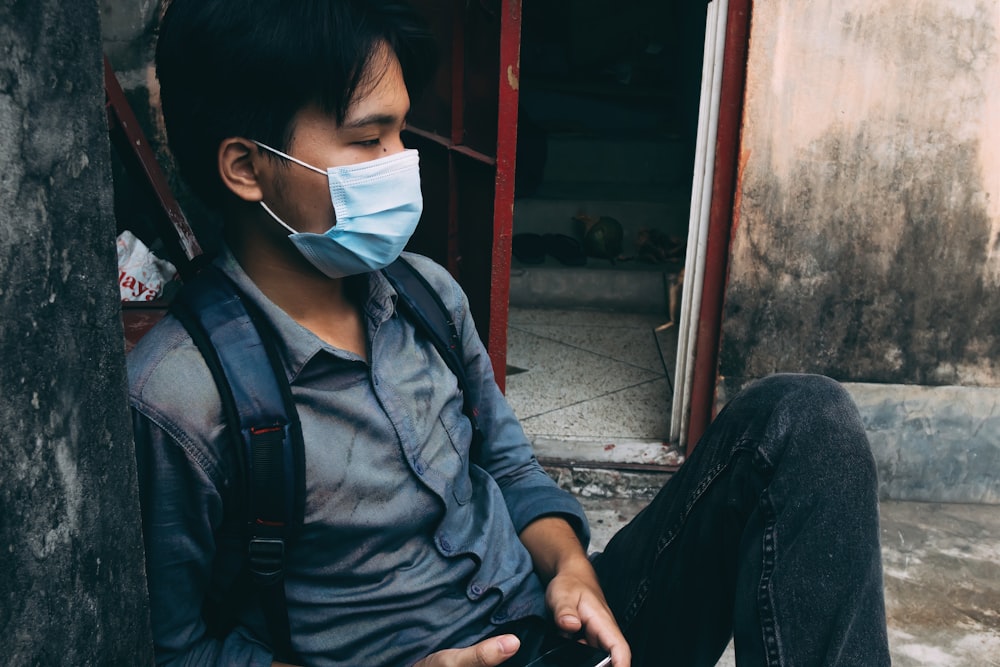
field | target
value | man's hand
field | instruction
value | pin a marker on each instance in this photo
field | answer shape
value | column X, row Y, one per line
column 574, row 594
column 578, row 606
column 487, row 653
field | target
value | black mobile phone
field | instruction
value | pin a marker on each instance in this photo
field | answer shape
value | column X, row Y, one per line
column 572, row 654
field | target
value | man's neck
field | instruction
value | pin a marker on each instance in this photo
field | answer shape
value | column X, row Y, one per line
column 317, row 302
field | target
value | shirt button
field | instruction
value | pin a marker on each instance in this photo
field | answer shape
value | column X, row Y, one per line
column 445, row 544
column 476, row 590
column 419, row 467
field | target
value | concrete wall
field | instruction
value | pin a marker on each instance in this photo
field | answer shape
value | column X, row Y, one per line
column 867, row 244
column 73, row 588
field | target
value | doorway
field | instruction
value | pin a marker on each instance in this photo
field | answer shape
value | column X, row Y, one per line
column 608, row 130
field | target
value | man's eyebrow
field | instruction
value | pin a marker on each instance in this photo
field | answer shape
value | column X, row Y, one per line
column 372, row 119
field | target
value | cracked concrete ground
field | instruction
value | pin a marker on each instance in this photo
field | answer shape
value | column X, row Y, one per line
column 942, row 583
column 942, row 578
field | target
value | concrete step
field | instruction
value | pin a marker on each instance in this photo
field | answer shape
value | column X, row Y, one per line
column 607, row 483
column 660, row 209
column 631, row 287
column 635, row 469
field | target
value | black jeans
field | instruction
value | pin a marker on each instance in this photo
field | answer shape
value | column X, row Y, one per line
column 768, row 533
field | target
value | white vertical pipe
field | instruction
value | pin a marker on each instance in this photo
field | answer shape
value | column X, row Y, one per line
column 701, row 201
column 694, row 218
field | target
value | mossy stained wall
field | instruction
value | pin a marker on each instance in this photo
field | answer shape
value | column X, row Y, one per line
column 867, row 240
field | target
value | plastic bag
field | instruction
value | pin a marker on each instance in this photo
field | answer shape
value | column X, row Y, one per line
column 142, row 275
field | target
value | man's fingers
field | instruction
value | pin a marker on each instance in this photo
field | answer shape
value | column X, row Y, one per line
column 565, row 610
column 487, row 653
column 613, row 642
column 600, row 629
column 568, row 620
column 495, row 650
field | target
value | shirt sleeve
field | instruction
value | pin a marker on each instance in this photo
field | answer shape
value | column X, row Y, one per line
column 181, row 510
column 507, row 455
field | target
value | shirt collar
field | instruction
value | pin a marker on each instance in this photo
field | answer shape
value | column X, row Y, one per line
column 296, row 344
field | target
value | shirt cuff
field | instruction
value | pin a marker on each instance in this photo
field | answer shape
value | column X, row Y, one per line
column 533, row 503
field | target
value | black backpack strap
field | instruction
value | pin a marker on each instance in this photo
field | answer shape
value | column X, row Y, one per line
column 422, row 304
column 240, row 351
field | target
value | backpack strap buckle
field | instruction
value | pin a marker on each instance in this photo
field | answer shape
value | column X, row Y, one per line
column 267, row 559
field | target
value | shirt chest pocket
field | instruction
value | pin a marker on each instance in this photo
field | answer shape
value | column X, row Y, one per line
column 459, row 434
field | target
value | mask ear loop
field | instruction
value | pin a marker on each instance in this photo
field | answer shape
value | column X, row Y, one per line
column 276, row 218
column 289, row 157
column 296, row 161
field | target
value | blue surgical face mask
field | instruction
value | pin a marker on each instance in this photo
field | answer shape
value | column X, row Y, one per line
column 377, row 206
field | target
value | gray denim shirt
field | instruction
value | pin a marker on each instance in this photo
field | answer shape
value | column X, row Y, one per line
column 407, row 546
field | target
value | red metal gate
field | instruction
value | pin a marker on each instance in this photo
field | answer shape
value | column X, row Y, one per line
column 465, row 127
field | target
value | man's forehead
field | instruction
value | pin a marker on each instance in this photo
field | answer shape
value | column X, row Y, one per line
column 384, row 103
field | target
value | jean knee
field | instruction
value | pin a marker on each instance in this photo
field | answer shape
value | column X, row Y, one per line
column 805, row 386
column 799, row 393
column 810, row 408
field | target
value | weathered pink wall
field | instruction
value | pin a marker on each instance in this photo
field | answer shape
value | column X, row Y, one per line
column 867, row 244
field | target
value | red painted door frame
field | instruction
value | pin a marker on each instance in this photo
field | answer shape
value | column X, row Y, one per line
column 722, row 221
column 503, row 212
column 466, row 130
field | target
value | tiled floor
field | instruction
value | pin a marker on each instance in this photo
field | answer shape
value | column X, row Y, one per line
column 590, row 375
column 587, row 384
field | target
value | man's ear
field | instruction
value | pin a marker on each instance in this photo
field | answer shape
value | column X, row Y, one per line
column 239, row 168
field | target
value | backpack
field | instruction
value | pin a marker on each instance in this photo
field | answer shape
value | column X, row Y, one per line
column 264, row 431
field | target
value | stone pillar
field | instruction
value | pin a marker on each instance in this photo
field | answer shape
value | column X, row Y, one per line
column 72, row 588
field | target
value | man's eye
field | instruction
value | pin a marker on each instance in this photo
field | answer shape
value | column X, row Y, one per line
column 368, row 142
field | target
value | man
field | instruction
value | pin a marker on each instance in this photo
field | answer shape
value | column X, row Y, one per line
column 287, row 117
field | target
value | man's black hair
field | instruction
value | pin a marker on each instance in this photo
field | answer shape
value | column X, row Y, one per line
column 244, row 68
